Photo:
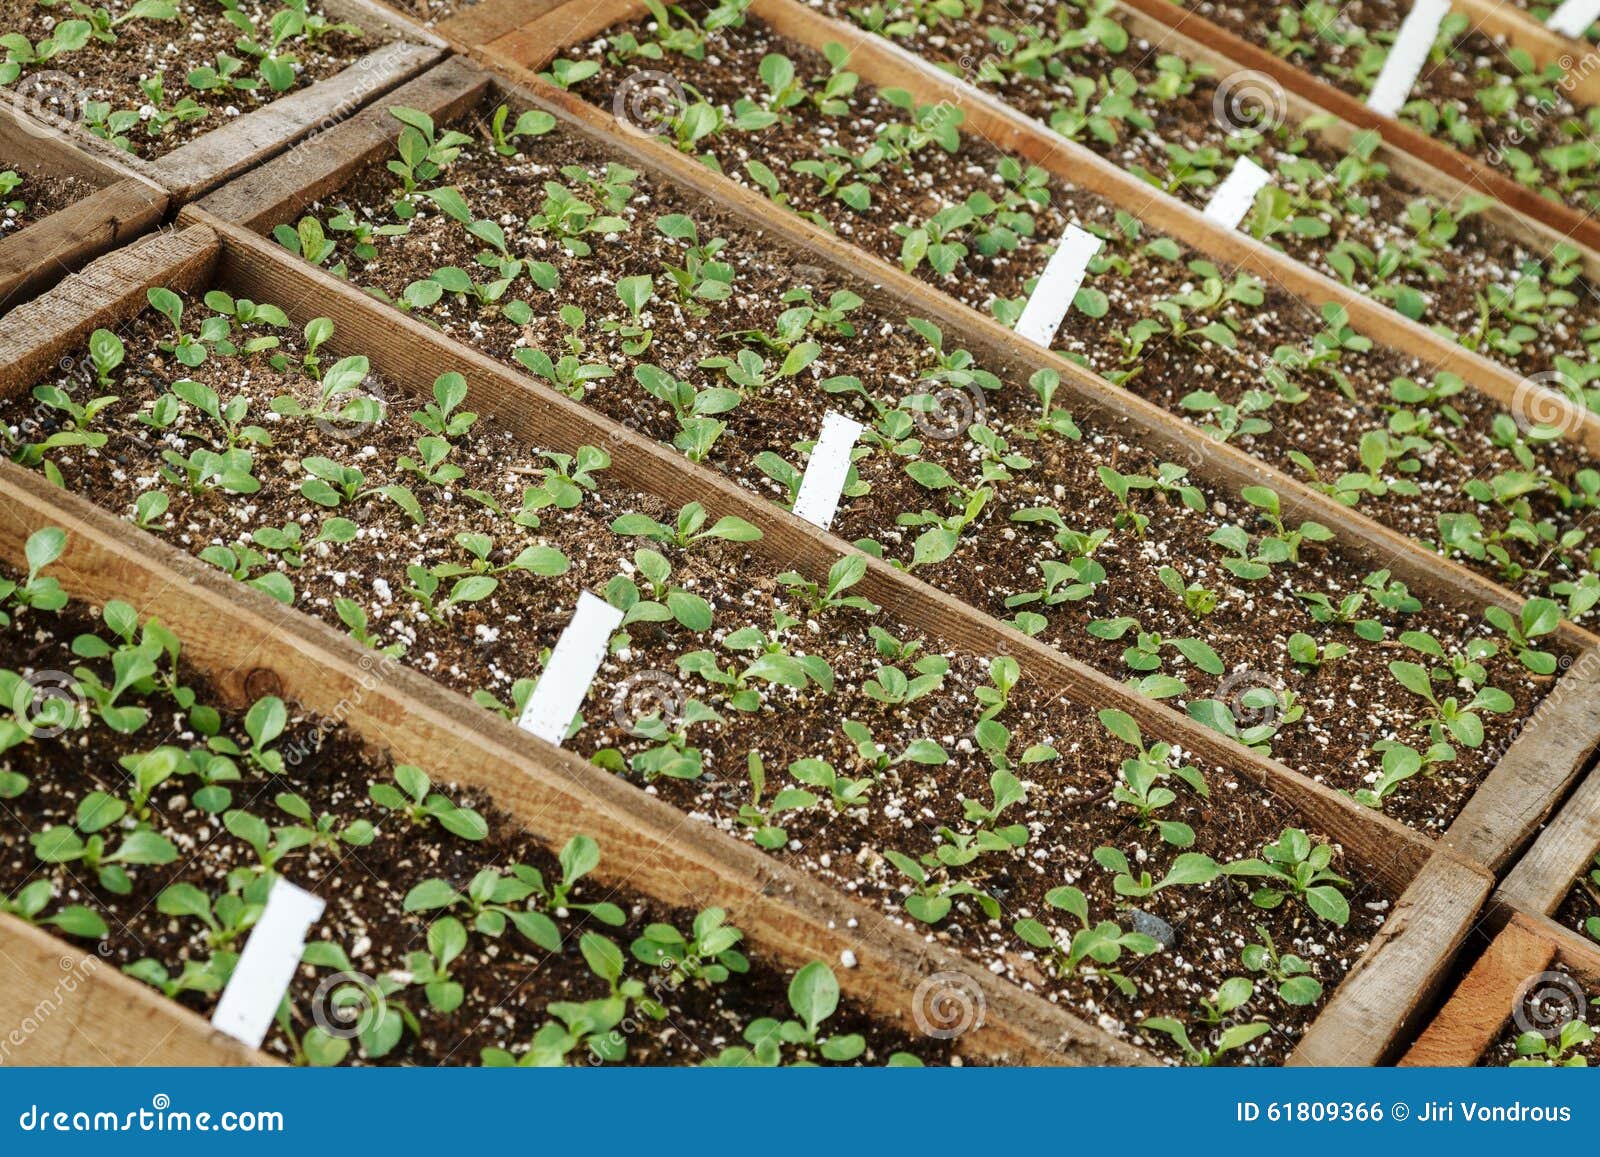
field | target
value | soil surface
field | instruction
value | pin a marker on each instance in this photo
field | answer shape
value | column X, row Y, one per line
column 1182, row 130
column 1465, row 63
column 908, row 806
column 39, row 195
column 989, row 569
column 509, row 981
column 111, row 72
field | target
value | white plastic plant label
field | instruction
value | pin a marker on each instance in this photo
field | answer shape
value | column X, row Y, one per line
column 1573, row 18
column 1233, row 198
column 576, row 657
column 267, row 964
column 1057, row 286
column 1406, row 56
column 818, row 499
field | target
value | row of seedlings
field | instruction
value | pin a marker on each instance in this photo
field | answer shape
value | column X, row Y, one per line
column 1055, row 520
column 1031, row 142
column 189, row 94
column 1481, row 92
column 965, row 794
column 146, row 817
column 1339, row 200
column 1528, row 1001
column 60, row 207
column 1367, row 425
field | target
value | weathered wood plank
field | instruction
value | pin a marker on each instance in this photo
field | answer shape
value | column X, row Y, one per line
column 1543, row 877
column 60, row 1005
column 40, row 255
column 1477, row 1012
column 31, row 334
column 1365, row 1020
column 243, row 143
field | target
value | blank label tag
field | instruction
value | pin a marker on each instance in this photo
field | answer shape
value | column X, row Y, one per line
column 1233, row 198
column 1574, row 17
column 576, row 657
column 818, row 499
column 1410, row 50
column 267, row 964
column 1057, row 286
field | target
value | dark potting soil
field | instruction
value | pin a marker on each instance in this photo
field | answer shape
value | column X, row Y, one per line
column 41, row 194
column 490, row 644
column 1208, row 111
column 509, row 982
column 111, row 72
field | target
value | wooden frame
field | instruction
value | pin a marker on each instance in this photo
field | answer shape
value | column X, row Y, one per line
column 1481, row 1008
column 211, row 159
column 885, row 64
column 1564, row 850
column 1535, row 770
column 122, row 206
column 244, row 636
column 1567, row 221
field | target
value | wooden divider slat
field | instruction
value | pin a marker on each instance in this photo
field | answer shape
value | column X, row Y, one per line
column 1477, row 1012
column 60, row 1005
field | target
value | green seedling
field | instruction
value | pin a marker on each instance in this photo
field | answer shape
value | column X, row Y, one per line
column 411, row 796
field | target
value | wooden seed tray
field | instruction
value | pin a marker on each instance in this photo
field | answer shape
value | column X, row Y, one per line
column 406, row 49
column 1475, row 174
column 122, row 206
column 884, row 64
column 1533, row 773
column 1483, row 1005
column 244, row 638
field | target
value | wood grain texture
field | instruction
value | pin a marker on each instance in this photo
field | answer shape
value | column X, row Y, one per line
column 469, row 31
column 243, row 143
column 1562, row 853
column 1551, row 751
column 38, row 256
column 1477, row 1012
column 886, row 64
column 538, row 42
column 34, row 335
column 60, row 1005
column 239, row 636
column 1478, row 175
column 278, row 191
column 1366, row 1020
